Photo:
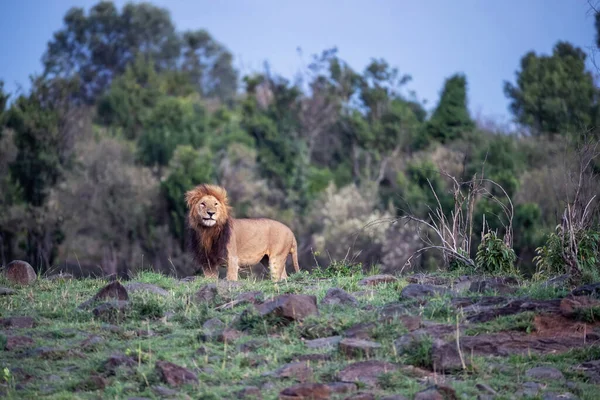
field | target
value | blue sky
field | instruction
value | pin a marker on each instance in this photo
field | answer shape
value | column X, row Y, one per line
column 428, row 39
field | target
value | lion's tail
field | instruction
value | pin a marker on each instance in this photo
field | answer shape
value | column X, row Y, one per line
column 294, row 251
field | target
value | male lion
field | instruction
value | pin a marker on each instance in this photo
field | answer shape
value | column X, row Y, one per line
column 217, row 238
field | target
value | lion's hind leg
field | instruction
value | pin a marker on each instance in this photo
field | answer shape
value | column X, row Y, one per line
column 277, row 268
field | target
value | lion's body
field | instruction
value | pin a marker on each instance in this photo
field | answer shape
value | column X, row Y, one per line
column 218, row 239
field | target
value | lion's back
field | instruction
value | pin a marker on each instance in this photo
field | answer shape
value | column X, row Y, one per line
column 261, row 235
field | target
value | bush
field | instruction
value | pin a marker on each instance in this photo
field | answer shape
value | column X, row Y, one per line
column 494, row 256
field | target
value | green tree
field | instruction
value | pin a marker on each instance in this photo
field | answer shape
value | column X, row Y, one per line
column 188, row 168
column 554, row 94
column 451, row 119
column 274, row 127
column 44, row 142
column 174, row 121
column 98, row 46
column 42, row 125
column 131, row 98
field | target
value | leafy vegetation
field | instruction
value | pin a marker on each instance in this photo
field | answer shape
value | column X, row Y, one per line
column 131, row 112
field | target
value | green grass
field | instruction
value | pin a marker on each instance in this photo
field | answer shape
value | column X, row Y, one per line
column 169, row 328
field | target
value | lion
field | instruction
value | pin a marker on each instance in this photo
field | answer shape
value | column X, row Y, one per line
column 219, row 239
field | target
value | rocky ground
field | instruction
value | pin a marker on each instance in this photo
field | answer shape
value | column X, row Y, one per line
column 346, row 337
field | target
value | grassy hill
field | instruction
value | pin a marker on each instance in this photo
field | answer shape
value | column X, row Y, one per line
column 370, row 337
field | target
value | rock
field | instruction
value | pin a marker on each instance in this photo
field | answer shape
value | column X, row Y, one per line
column 6, row 291
column 164, row 391
column 249, row 392
column 516, row 307
column 391, row 311
column 174, row 374
column 499, row 285
column 557, row 281
column 394, row 397
column 411, row 322
column 253, row 297
column 592, row 289
column 331, row 341
column 207, row 294
column 20, row 273
column 113, row 291
column 415, row 291
column 485, row 388
column 117, row 361
column 213, row 324
column 545, row 373
column 366, row 372
column 306, row 391
column 291, row 307
column 250, row 346
column 146, row 287
column 337, row 296
column 112, row 311
column 17, row 342
column 300, row 371
column 358, row 347
column 446, row 358
column 572, row 304
column 17, row 322
column 342, row 387
column 377, row 280
column 362, row 330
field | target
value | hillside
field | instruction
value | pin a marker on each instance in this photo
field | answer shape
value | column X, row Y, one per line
column 334, row 333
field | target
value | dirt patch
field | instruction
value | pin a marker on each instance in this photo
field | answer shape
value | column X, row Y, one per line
column 558, row 326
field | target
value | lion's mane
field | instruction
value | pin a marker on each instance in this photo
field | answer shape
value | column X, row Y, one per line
column 208, row 245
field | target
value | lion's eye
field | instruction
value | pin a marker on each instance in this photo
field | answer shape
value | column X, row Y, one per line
column 203, row 205
column 216, row 204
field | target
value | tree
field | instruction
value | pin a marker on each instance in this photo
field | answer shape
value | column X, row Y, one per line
column 100, row 45
column 44, row 136
column 451, row 119
column 3, row 101
column 174, row 121
column 554, row 94
column 209, row 66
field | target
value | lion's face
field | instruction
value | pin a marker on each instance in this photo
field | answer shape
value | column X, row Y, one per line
column 209, row 210
column 208, row 206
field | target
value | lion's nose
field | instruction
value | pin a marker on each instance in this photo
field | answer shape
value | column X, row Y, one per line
column 210, row 213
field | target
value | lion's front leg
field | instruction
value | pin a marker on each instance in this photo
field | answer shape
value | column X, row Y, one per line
column 232, row 268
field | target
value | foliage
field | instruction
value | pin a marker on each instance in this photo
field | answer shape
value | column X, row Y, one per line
column 100, row 45
column 549, row 258
column 451, row 119
column 494, row 256
column 554, row 94
column 338, row 269
column 143, row 110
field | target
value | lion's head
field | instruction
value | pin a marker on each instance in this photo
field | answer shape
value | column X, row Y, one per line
column 208, row 206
